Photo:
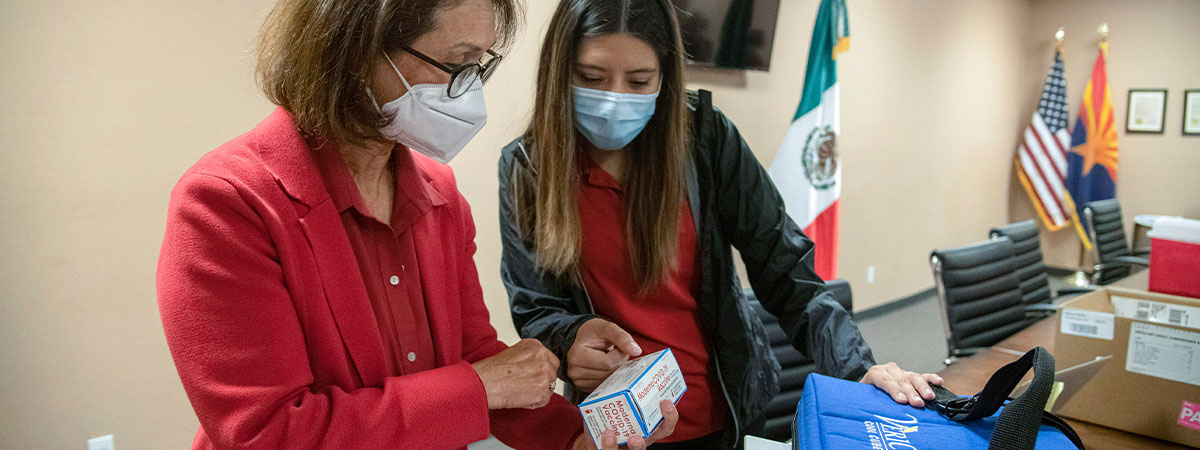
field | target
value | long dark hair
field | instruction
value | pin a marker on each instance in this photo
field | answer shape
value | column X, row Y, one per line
column 546, row 204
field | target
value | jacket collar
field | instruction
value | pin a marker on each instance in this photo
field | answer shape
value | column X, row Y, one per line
column 289, row 157
column 594, row 175
column 414, row 195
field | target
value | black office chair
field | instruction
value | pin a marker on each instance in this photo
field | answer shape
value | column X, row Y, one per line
column 979, row 296
column 1031, row 270
column 1105, row 230
column 796, row 367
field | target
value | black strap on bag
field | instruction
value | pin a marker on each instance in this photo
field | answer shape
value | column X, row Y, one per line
column 1018, row 425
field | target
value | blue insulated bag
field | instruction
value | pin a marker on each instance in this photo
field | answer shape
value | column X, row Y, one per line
column 840, row 414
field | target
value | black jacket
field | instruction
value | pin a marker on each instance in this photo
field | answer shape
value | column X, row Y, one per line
column 734, row 205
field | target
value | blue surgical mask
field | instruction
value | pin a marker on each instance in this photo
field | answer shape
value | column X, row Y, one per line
column 611, row 120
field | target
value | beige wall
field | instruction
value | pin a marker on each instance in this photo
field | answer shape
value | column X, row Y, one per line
column 1148, row 48
column 106, row 103
column 931, row 96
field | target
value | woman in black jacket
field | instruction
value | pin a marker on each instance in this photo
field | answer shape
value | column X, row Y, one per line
column 619, row 209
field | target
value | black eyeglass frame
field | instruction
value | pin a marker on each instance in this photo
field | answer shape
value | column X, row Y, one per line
column 482, row 71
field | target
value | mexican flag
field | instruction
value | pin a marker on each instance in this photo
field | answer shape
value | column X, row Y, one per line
column 807, row 170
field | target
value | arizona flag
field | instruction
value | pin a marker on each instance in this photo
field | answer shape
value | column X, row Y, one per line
column 1092, row 162
column 807, row 169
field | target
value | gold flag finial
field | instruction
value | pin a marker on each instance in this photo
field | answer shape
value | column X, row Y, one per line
column 1103, row 30
column 1058, row 36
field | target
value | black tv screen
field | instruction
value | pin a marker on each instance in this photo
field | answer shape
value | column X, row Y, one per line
column 732, row 34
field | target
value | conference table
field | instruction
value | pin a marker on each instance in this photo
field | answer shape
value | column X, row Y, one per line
column 967, row 376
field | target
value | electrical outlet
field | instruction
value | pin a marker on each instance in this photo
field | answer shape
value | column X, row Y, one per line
column 870, row 274
column 101, row 443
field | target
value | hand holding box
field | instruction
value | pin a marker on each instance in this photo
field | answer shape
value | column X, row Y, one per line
column 627, row 402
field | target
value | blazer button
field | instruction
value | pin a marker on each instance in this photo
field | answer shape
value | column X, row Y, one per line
column 412, row 356
column 394, row 280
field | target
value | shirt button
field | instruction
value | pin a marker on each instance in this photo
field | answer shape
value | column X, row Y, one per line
column 412, row 356
column 394, row 280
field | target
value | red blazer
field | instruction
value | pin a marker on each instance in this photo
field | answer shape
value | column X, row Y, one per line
column 271, row 329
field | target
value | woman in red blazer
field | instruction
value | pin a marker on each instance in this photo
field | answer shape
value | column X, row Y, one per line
column 316, row 281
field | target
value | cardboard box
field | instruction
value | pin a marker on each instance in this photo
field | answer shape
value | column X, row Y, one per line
column 627, row 402
column 1151, row 385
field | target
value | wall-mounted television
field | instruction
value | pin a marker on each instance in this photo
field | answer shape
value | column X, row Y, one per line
column 730, row 34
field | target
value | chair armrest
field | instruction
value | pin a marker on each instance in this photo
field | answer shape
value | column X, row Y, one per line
column 1141, row 252
column 1040, row 311
column 961, row 353
column 1047, row 308
column 967, row 351
column 1133, row 260
column 1123, row 261
column 1074, row 290
column 1067, row 292
column 1120, row 261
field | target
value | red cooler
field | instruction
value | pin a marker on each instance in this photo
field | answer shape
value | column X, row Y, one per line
column 1175, row 256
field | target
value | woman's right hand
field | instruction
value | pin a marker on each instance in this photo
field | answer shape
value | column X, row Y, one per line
column 521, row 376
column 600, row 347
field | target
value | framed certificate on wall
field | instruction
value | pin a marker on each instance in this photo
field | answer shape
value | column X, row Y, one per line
column 1145, row 111
column 1191, row 112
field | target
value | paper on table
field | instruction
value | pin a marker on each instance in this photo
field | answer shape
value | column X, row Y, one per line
column 1068, row 381
column 757, row 443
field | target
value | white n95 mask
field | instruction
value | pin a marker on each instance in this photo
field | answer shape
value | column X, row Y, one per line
column 429, row 121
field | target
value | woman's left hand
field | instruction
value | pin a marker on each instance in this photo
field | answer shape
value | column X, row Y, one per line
column 904, row 386
column 608, row 439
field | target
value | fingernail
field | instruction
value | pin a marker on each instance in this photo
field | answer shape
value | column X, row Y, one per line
column 901, row 396
column 928, row 391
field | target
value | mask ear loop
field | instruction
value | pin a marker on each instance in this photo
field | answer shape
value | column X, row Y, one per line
column 373, row 101
column 402, row 80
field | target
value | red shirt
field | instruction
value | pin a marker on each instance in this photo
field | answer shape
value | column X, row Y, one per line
column 666, row 315
column 386, row 257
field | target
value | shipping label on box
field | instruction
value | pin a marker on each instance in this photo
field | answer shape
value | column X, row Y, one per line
column 1091, row 324
column 1163, row 352
column 627, row 402
column 1159, row 312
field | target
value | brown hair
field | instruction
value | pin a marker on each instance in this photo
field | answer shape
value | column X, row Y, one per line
column 316, row 57
column 546, row 204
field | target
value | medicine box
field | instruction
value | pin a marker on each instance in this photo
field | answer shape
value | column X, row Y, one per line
column 628, row 401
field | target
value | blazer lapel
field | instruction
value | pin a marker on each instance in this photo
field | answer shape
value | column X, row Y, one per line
column 345, row 291
column 286, row 154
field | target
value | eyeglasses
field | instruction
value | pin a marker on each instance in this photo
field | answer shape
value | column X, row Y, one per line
column 462, row 77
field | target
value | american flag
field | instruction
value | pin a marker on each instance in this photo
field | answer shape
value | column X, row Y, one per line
column 1042, row 154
